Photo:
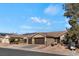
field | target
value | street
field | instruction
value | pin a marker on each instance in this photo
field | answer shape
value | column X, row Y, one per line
column 14, row 52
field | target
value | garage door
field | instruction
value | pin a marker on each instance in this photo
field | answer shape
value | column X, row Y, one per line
column 39, row 40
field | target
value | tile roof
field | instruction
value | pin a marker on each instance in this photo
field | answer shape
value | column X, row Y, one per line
column 47, row 34
column 56, row 34
column 1, row 36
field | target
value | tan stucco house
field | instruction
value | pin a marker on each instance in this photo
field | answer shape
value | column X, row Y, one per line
column 9, row 38
column 44, row 38
column 6, row 39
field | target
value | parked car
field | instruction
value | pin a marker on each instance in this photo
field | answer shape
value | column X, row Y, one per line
column 72, row 46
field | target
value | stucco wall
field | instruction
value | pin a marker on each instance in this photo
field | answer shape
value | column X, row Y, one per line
column 62, row 37
column 5, row 41
column 1, row 40
column 50, row 41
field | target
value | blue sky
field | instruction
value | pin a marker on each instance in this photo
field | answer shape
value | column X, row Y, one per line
column 32, row 17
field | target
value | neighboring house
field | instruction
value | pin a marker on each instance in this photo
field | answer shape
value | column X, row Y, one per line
column 6, row 39
column 1, row 38
column 12, row 39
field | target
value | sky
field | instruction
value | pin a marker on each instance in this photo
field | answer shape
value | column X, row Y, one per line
column 32, row 17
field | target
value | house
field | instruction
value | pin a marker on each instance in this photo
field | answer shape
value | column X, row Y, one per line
column 5, row 39
column 11, row 39
column 42, row 38
column 47, row 38
column 1, row 38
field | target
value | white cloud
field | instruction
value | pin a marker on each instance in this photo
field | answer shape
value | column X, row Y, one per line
column 48, row 23
column 66, row 20
column 67, row 25
column 39, row 20
column 35, row 19
column 51, row 10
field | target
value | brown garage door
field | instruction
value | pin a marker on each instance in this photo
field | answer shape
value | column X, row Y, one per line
column 39, row 40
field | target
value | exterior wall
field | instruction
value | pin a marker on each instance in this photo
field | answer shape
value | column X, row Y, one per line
column 62, row 38
column 49, row 41
column 33, row 41
column 1, row 40
column 5, row 41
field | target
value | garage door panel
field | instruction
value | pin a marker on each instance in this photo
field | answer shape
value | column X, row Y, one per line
column 39, row 41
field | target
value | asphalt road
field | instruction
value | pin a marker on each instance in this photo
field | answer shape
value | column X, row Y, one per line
column 15, row 52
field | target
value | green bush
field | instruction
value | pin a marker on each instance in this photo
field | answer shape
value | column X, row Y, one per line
column 12, row 40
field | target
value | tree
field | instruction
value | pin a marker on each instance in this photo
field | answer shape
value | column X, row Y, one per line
column 72, row 12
